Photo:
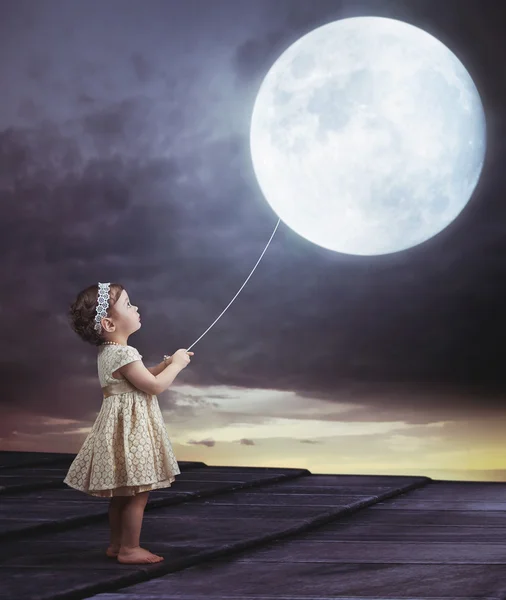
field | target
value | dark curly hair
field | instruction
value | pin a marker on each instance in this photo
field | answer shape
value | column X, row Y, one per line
column 83, row 310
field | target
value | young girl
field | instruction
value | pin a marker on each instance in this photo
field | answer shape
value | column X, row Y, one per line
column 128, row 451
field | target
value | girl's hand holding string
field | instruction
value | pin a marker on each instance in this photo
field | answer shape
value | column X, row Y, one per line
column 181, row 358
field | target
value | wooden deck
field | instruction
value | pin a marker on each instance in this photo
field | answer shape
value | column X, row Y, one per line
column 256, row 533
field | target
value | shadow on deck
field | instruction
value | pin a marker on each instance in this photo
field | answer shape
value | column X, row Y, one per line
column 265, row 533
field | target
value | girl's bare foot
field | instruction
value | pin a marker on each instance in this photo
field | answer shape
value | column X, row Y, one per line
column 112, row 551
column 137, row 556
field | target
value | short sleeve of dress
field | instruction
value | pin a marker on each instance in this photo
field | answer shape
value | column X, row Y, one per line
column 123, row 356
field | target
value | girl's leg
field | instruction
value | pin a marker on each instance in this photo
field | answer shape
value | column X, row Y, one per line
column 116, row 506
column 130, row 551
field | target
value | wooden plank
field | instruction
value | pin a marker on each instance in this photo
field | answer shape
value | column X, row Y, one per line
column 395, row 516
column 399, row 533
column 383, row 551
column 439, row 541
column 215, row 595
column 320, row 579
column 438, row 505
column 286, row 499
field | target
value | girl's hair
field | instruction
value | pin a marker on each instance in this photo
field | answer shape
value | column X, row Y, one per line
column 83, row 311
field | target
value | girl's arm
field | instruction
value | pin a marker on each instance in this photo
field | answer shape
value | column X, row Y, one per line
column 144, row 380
column 157, row 369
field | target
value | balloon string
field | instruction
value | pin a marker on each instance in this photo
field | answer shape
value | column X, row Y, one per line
column 240, row 289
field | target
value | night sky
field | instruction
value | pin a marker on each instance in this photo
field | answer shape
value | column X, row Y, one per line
column 124, row 157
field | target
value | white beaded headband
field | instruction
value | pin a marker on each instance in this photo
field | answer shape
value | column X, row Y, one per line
column 102, row 304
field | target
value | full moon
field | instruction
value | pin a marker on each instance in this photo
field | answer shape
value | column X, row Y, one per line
column 368, row 136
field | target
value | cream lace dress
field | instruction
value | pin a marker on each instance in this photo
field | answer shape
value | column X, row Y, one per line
column 128, row 450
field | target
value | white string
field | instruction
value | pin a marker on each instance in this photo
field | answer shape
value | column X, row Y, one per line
column 212, row 325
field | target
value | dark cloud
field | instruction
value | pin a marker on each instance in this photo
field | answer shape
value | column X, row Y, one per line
column 246, row 442
column 291, row 19
column 208, row 443
column 253, row 57
column 39, row 67
column 141, row 67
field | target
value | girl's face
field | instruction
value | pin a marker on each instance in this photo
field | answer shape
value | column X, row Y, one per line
column 126, row 315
